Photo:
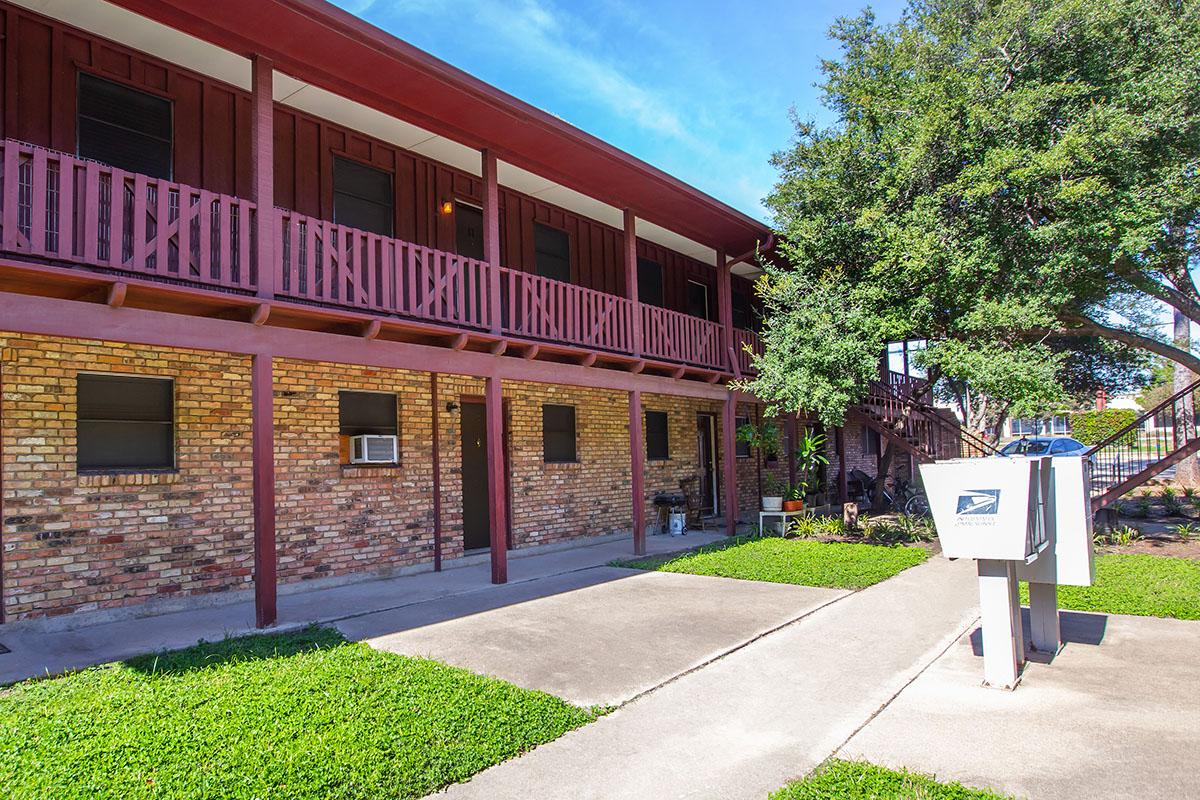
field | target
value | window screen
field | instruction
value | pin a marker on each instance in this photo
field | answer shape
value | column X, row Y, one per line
column 872, row 445
column 552, row 252
column 742, row 317
column 468, row 231
column 742, row 449
column 362, row 197
column 124, row 422
column 657, row 448
column 697, row 298
column 558, row 434
column 367, row 414
column 123, row 127
column 650, row 282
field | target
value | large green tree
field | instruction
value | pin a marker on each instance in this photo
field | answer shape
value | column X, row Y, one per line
column 1002, row 178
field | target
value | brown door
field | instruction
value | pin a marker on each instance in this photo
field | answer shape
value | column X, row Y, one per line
column 476, row 524
column 707, row 457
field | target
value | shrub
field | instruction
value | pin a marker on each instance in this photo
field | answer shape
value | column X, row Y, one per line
column 1093, row 427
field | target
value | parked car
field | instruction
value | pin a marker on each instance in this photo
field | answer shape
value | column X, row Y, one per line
column 1044, row 446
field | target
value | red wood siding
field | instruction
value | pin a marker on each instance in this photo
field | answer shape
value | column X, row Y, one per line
column 212, row 152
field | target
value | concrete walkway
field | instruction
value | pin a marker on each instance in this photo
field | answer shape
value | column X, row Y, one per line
column 43, row 648
column 768, row 712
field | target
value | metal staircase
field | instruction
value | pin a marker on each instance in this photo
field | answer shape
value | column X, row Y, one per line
column 1137, row 452
column 896, row 410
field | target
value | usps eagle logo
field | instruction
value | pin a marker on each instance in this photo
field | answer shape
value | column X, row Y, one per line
column 976, row 502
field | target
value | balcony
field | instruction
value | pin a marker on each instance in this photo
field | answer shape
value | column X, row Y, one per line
column 59, row 208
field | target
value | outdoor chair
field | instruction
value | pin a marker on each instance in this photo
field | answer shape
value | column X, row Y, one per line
column 696, row 520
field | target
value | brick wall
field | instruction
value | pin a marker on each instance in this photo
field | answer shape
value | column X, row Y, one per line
column 76, row 542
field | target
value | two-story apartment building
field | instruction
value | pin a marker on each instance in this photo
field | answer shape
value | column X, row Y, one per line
column 285, row 300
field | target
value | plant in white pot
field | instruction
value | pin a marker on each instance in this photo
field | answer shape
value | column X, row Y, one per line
column 773, row 489
column 766, row 439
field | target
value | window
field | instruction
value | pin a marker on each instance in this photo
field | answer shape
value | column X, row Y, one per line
column 650, row 282
column 743, row 314
column 367, row 414
column 872, row 445
column 657, row 448
column 1023, row 427
column 741, row 449
column 558, row 434
column 123, row 127
column 1059, row 426
column 697, row 298
column 124, row 422
column 362, row 197
column 552, row 252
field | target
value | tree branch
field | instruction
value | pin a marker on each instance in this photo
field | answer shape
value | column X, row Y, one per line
column 1087, row 326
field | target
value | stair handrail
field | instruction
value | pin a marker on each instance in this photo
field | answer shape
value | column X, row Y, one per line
column 929, row 412
column 1137, row 423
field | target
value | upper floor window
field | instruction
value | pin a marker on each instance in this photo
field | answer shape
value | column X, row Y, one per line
column 657, row 444
column 743, row 317
column 124, row 422
column 697, row 298
column 650, row 282
column 468, row 231
column 362, row 197
column 128, row 129
column 558, row 434
column 552, row 252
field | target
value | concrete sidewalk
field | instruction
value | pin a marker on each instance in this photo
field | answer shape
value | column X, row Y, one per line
column 766, row 713
column 39, row 649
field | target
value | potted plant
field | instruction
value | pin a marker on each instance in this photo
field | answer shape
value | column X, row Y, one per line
column 764, row 437
column 773, row 489
column 810, row 457
column 793, row 499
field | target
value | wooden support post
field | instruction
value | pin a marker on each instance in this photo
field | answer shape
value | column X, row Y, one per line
column 262, row 445
column 491, row 238
column 437, row 473
column 843, row 478
column 637, row 460
column 631, row 280
column 262, row 172
column 725, row 311
column 497, row 496
column 729, row 458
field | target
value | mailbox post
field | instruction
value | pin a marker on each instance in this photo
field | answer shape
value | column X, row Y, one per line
column 992, row 510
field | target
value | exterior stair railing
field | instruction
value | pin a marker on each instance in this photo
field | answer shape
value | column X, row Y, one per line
column 1138, row 452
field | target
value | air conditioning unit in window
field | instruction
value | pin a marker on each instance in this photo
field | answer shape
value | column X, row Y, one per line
column 373, row 450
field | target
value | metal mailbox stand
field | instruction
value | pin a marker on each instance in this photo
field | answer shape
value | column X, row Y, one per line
column 992, row 510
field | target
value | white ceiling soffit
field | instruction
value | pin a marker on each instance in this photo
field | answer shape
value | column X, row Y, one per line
column 168, row 44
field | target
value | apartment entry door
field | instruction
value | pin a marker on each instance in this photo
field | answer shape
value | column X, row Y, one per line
column 706, row 437
column 477, row 530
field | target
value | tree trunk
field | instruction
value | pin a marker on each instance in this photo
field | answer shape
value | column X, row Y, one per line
column 885, row 468
column 1187, row 472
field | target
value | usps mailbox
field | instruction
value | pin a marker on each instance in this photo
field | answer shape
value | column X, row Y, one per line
column 993, row 510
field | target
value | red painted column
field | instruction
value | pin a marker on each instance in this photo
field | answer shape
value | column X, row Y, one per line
column 631, row 280
column 497, row 514
column 637, row 460
column 437, row 473
column 262, row 444
column 725, row 311
column 491, row 237
column 262, row 172
column 728, row 457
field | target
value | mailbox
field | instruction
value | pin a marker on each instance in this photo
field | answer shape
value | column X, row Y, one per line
column 987, row 508
column 1069, row 560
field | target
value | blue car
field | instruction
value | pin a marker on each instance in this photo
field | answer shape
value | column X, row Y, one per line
column 1044, row 446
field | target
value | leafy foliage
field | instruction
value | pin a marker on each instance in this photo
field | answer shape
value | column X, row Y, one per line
column 858, row 780
column 292, row 716
column 1006, row 179
column 1093, row 427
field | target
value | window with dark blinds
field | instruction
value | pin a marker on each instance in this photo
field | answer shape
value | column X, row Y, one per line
column 552, row 252
column 558, row 434
column 124, row 422
column 367, row 414
column 650, row 282
column 468, row 231
column 657, row 446
column 123, row 127
column 362, row 197
column 697, row 298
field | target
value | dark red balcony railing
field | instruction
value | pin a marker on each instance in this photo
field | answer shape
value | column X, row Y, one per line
column 67, row 209
column 745, row 343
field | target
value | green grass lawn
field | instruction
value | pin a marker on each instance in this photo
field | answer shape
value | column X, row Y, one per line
column 855, row 780
column 1134, row 583
column 839, row 565
column 300, row 715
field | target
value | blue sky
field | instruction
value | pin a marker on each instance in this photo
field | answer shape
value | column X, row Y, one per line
column 698, row 88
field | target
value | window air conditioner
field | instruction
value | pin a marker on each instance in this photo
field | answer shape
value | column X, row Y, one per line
column 373, row 450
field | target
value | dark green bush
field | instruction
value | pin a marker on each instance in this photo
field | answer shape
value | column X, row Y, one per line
column 1093, row 427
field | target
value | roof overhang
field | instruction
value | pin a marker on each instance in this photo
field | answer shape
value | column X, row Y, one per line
column 412, row 99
